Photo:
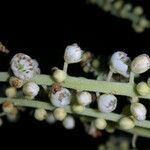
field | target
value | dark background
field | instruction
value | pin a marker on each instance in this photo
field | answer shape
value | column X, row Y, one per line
column 43, row 30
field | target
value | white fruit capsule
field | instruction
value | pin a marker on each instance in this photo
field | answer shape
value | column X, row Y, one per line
column 84, row 98
column 31, row 89
column 40, row 114
column 100, row 123
column 73, row 54
column 126, row 123
column 138, row 110
column 69, row 122
column 61, row 98
column 107, row 103
column 23, row 66
column 60, row 114
column 59, row 75
column 119, row 63
column 140, row 64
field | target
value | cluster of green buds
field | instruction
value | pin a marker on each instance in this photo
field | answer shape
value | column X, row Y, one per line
column 95, row 102
column 124, row 10
column 116, row 143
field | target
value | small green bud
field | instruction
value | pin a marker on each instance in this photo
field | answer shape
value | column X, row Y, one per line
column 118, row 4
column 40, row 114
column 86, row 56
column 60, row 114
column 142, row 88
column 7, row 107
column 95, row 63
column 138, row 10
column 11, row 92
column 100, row 123
column 144, row 22
column 78, row 108
column 110, row 129
column 126, row 123
column 86, row 69
column 59, row 75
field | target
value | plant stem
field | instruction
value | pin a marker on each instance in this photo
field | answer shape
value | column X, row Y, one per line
column 65, row 67
column 134, row 139
column 109, row 75
column 131, row 78
column 87, row 112
column 116, row 88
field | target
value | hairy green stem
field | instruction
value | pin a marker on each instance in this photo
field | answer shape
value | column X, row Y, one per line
column 80, row 84
column 142, row 128
column 125, row 89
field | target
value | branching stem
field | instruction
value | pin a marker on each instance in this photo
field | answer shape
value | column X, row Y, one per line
column 125, row 89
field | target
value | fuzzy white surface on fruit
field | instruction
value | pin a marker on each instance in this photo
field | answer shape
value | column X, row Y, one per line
column 107, row 103
column 61, row 98
column 84, row 98
column 73, row 54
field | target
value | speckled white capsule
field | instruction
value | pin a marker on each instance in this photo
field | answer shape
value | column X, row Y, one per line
column 31, row 89
column 107, row 103
column 84, row 98
column 23, row 66
column 73, row 54
column 61, row 98
column 140, row 64
column 119, row 63
column 138, row 110
column 69, row 122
